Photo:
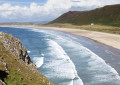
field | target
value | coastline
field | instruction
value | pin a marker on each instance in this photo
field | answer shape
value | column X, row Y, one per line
column 15, row 63
column 112, row 40
column 112, row 61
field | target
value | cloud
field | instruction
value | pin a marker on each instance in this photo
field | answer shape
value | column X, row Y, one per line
column 49, row 11
column 37, row 12
column 95, row 2
column 91, row 4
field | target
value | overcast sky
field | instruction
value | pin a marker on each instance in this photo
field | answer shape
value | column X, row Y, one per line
column 45, row 10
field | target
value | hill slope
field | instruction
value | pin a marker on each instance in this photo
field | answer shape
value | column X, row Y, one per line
column 16, row 67
column 108, row 15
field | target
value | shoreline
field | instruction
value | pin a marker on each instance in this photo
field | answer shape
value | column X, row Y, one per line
column 113, row 62
column 112, row 40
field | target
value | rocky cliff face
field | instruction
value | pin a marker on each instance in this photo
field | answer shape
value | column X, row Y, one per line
column 15, row 47
column 16, row 67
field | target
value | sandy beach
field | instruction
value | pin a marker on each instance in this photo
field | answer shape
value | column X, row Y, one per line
column 112, row 40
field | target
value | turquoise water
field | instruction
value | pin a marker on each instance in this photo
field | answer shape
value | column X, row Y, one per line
column 67, row 59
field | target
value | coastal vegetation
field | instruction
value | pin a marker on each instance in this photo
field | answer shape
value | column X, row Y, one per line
column 108, row 15
column 105, row 19
column 99, row 28
column 16, row 67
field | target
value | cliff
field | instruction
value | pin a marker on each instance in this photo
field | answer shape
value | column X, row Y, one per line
column 108, row 15
column 16, row 67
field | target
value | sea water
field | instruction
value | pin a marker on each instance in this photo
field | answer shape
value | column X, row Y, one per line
column 63, row 59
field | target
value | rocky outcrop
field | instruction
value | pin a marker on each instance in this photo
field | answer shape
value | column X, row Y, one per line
column 3, row 72
column 16, row 67
column 15, row 47
column 4, row 66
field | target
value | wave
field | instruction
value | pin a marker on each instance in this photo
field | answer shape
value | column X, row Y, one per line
column 106, row 73
column 95, row 67
column 42, row 54
column 62, row 68
column 28, row 51
column 38, row 61
column 39, row 30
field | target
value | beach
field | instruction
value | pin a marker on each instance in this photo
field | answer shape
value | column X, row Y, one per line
column 112, row 40
column 69, row 59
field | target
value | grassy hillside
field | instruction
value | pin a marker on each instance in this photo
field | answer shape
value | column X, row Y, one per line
column 16, row 68
column 99, row 28
column 108, row 15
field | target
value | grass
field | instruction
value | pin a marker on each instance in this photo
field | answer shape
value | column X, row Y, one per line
column 97, row 27
column 19, row 72
column 108, row 15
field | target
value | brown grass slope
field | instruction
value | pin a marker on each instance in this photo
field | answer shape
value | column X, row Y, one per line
column 16, row 67
column 108, row 15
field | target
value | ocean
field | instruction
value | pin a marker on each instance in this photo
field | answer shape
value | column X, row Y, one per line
column 68, row 59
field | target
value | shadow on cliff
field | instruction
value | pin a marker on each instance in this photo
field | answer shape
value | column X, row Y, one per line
column 3, row 75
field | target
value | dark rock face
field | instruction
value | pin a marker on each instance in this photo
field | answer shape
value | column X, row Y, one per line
column 3, row 72
column 15, row 47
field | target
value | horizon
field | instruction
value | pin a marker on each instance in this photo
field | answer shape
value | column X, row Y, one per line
column 45, row 10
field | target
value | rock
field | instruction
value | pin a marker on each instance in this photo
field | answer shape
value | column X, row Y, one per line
column 3, row 72
column 2, row 83
column 14, row 60
column 4, row 66
column 15, row 47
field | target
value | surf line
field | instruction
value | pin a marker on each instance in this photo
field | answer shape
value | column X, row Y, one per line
column 62, row 55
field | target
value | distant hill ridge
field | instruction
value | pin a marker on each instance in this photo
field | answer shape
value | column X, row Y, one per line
column 108, row 15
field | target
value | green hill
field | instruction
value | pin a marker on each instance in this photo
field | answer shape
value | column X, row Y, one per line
column 16, row 67
column 108, row 15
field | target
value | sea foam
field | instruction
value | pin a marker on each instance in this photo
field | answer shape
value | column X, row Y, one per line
column 62, row 68
column 38, row 61
column 95, row 67
column 28, row 51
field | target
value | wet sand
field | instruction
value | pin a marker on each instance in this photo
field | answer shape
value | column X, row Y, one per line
column 104, row 38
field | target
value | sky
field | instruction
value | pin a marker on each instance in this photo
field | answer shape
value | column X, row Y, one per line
column 45, row 10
